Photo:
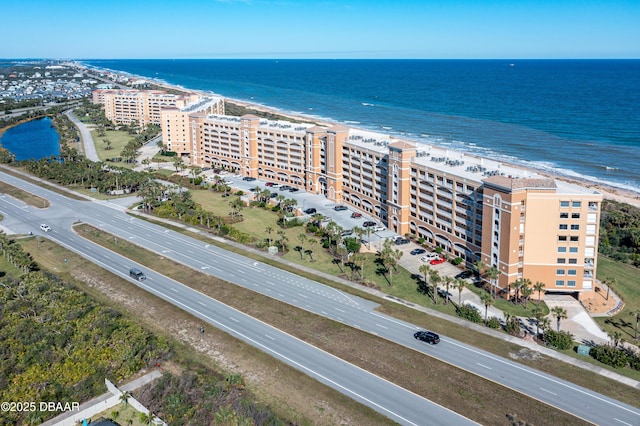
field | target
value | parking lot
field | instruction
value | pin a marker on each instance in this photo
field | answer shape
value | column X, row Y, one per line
column 374, row 236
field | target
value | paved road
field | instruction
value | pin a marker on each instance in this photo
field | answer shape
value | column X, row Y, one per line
column 307, row 294
column 387, row 398
column 85, row 136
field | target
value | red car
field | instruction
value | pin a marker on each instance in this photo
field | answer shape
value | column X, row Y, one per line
column 438, row 261
column 355, row 214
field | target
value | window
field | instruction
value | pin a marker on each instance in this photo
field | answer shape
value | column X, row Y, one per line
column 573, row 249
column 575, row 227
column 562, row 238
column 574, row 238
column 564, row 215
column 559, row 283
column 559, row 271
column 562, row 249
column 564, row 204
column 571, row 283
column 563, row 227
column 591, row 229
column 575, row 215
column 591, row 241
column 572, row 272
column 589, row 251
column 576, row 204
column 561, row 260
column 573, row 261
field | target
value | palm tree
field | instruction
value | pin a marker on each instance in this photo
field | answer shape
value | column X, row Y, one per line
column 425, row 270
column 610, row 282
column 447, row 283
column 493, row 274
column 268, row 230
column 124, row 397
column 460, row 285
column 616, row 337
column 539, row 286
column 538, row 315
column 302, row 237
column 435, row 278
column 559, row 313
column 517, row 285
column 479, row 266
column 487, row 300
column 312, row 242
column 636, row 314
column 526, row 290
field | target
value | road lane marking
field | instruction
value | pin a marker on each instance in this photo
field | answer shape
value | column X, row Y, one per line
column 340, row 310
column 269, row 337
column 624, row 423
column 202, row 304
column 484, row 366
column 174, row 289
column 382, row 326
column 233, row 319
column 546, row 390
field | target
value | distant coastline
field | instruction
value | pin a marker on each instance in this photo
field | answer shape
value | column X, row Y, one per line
column 609, row 191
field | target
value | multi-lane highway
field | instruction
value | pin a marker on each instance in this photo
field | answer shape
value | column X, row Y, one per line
column 404, row 407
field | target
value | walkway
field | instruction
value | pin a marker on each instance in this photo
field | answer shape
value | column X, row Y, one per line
column 104, row 402
column 85, row 136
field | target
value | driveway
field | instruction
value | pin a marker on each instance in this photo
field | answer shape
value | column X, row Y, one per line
column 578, row 322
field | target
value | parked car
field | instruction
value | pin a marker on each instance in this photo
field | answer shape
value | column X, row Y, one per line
column 379, row 229
column 273, row 195
column 400, row 241
column 465, row 274
column 368, row 224
column 270, row 184
column 427, row 336
column 340, row 208
column 294, row 189
column 417, row 251
column 285, row 188
column 438, row 261
column 429, row 257
column 311, row 211
column 45, row 227
column 249, row 178
column 356, row 215
column 346, row 233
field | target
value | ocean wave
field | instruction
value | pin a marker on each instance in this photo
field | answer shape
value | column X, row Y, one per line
column 367, row 104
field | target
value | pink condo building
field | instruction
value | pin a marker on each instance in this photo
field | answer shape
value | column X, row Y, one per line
column 524, row 224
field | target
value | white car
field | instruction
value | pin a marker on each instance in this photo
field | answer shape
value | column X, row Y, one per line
column 379, row 229
column 429, row 257
column 45, row 227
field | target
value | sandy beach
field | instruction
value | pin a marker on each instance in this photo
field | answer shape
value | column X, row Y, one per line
column 608, row 192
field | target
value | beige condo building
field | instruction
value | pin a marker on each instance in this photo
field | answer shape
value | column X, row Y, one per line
column 526, row 225
column 143, row 106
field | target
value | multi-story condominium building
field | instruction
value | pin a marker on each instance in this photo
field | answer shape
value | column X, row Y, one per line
column 144, row 106
column 526, row 225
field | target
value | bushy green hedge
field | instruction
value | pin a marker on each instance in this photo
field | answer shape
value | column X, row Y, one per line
column 558, row 339
column 468, row 312
column 616, row 357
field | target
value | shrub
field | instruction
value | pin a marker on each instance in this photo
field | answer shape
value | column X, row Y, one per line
column 512, row 326
column 558, row 339
column 456, row 261
column 493, row 322
column 469, row 313
column 609, row 355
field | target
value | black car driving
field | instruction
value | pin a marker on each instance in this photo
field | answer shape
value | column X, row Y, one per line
column 427, row 336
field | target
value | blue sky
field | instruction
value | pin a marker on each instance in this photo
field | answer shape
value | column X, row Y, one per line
column 465, row 29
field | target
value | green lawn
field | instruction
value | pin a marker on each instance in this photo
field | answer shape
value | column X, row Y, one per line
column 119, row 139
column 627, row 286
column 519, row 310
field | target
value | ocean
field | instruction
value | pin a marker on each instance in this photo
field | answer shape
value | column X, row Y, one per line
column 577, row 118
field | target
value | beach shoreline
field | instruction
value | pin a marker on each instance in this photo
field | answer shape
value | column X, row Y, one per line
column 608, row 192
